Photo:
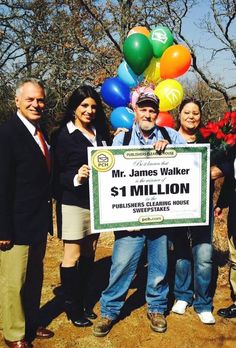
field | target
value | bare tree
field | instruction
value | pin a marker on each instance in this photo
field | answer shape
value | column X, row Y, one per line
column 74, row 41
column 218, row 22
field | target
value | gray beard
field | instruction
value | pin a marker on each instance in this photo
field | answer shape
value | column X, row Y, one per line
column 146, row 127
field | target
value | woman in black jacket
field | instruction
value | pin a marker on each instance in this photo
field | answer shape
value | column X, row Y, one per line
column 84, row 124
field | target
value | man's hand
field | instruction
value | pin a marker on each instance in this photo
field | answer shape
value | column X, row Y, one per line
column 5, row 245
column 160, row 145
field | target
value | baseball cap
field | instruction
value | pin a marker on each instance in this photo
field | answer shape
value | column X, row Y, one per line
column 148, row 97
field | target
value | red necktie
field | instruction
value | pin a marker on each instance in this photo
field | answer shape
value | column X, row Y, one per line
column 44, row 147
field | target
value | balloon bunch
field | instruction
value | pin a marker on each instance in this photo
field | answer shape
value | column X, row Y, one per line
column 151, row 59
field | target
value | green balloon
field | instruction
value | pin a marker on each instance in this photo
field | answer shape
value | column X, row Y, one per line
column 161, row 38
column 138, row 52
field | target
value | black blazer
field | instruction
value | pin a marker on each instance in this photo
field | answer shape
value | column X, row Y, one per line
column 70, row 153
column 25, row 205
column 227, row 197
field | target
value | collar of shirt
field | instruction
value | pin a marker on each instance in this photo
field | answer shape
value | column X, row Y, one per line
column 31, row 128
column 71, row 127
column 152, row 136
column 138, row 139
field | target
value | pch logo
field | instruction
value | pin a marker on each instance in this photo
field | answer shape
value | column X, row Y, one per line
column 103, row 160
column 159, row 35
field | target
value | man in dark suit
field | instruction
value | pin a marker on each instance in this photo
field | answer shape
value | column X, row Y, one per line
column 25, row 215
column 227, row 199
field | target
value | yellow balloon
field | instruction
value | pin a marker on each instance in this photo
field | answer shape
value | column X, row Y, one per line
column 152, row 72
column 170, row 92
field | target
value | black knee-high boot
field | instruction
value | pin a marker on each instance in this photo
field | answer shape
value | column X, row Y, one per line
column 72, row 296
column 85, row 267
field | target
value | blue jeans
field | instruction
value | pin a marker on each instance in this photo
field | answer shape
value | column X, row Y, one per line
column 126, row 254
column 194, row 288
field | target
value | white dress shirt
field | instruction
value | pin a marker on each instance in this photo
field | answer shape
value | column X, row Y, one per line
column 32, row 129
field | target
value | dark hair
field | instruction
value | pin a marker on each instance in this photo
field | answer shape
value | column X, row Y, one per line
column 79, row 94
column 186, row 101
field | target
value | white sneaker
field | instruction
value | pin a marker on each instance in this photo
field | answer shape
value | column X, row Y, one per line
column 180, row 307
column 206, row 318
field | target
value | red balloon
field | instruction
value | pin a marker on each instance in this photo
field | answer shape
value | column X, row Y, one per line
column 175, row 61
column 165, row 119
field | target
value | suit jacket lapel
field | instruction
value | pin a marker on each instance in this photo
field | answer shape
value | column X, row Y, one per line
column 28, row 139
column 79, row 137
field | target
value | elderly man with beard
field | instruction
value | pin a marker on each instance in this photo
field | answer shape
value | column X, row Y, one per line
column 128, row 245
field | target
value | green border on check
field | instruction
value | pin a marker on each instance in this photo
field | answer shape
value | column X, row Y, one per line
column 203, row 150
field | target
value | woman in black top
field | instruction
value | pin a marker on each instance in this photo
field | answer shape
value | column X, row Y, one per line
column 84, row 124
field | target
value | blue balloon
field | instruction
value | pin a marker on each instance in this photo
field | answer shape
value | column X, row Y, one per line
column 122, row 117
column 127, row 75
column 115, row 92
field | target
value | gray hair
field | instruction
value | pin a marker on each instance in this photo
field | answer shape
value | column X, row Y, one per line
column 32, row 80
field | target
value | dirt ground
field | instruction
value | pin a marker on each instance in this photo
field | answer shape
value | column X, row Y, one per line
column 133, row 329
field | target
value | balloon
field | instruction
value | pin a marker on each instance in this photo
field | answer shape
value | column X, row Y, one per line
column 122, row 117
column 137, row 52
column 115, row 92
column 140, row 30
column 165, row 119
column 175, row 61
column 161, row 38
column 170, row 92
column 127, row 75
column 152, row 72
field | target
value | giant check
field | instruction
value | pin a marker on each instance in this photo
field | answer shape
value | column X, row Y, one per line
column 139, row 188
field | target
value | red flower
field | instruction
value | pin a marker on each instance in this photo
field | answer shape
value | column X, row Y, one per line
column 233, row 114
column 233, row 120
column 205, row 132
column 230, row 139
column 213, row 127
column 227, row 116
column 221, row 134
column 222, row 123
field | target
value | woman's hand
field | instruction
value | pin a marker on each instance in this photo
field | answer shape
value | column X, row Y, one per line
column 120, row 130
column 83, row 173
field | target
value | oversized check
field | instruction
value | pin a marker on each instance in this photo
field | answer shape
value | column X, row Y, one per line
column 139, row 188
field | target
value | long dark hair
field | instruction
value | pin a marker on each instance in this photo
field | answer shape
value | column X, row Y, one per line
column 100, row 122
column 184, row 102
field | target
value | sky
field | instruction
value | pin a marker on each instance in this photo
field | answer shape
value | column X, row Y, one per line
column 223, row 67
